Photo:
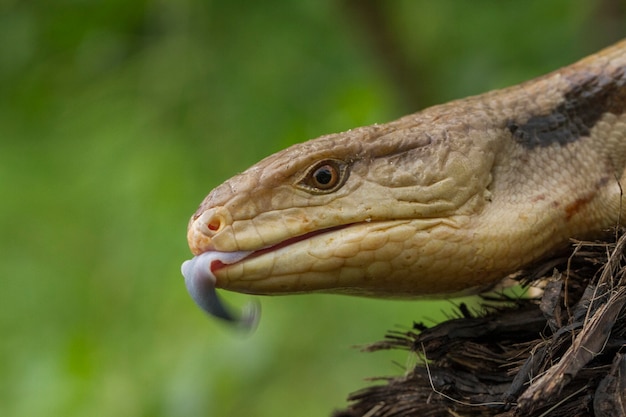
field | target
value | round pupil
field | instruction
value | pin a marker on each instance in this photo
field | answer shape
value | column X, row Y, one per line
column 324, row 175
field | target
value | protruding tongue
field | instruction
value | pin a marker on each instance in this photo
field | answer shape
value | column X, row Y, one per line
column 200, row 283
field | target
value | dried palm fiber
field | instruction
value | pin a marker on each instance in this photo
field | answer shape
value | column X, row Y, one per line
column 559, row 353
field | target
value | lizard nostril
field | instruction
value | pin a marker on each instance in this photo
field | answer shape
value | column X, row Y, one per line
column 214, row 224
column 211, row 224
column 213, row 221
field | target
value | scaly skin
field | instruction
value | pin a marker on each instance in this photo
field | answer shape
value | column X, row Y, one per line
column 449, row 199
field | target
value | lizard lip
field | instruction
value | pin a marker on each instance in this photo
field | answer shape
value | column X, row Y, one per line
column 217, row 264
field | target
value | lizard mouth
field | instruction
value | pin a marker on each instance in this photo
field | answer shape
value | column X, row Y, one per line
column 217, row 264
column 201, row 283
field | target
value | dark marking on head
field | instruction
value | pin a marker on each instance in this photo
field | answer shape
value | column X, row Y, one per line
column 583, row 105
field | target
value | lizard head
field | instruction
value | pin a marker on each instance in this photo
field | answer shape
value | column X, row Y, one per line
column 371, row 211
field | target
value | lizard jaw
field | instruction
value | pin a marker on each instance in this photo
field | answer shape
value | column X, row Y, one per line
column 201, row 282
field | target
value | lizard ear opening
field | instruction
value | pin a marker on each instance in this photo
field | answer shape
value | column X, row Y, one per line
column 324, row 177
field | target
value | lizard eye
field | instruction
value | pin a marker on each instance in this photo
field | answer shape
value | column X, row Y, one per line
column 324, row 176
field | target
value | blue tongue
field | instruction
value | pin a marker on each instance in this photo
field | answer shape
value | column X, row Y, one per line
column 200, row 283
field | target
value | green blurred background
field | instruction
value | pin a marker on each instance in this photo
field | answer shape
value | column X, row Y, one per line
column 118, row 117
